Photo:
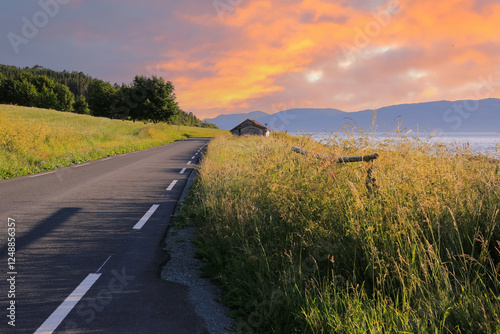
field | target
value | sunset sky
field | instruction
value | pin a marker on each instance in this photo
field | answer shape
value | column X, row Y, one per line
column 233, row 56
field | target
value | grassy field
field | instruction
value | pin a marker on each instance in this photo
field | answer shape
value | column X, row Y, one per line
column 36, row 140
column 300, row 245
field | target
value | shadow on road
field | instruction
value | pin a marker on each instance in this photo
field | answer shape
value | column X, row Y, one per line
column 42, row 229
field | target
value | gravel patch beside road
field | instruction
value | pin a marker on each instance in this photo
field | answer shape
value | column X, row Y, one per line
column 184, row 268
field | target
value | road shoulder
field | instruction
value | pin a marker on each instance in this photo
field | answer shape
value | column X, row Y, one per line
column 185, row 269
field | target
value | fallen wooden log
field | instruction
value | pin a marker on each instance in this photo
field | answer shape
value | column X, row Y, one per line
column 366, row 158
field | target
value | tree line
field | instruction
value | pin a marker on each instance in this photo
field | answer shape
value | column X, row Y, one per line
column 148, row 99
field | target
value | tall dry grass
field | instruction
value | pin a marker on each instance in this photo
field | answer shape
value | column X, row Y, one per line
column 300, row 245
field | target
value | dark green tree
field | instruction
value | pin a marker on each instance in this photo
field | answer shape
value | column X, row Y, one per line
column 152, row 99
column 121, row 108
column 36, row 91
column 190, row 119
column 19, row 90
column 101, row 97
column 65, row 97
column 46, row 98
column 81, row 106
column 208, row 125
column 147, row 99
column 52, row 95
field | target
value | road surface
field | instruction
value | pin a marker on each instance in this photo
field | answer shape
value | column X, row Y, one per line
column 88, row 246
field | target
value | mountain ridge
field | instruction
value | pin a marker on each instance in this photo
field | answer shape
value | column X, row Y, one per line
column 441, row 116
column 229, row 121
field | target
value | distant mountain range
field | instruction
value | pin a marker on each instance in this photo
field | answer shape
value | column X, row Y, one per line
column 227, row 122
column 442, row 116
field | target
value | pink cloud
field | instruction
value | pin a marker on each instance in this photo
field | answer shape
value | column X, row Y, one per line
column 260, row 54
column 417, row 51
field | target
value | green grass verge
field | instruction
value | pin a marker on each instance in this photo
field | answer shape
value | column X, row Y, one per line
column 35, row 140
column 299, row 244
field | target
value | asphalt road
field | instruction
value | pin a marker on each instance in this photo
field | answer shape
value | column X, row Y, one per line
column 88, row 246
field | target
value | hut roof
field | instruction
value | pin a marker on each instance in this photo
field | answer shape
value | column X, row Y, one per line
column 246, row 123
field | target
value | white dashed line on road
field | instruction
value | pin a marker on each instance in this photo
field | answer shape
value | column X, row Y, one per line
column 67, row 305
column 146, row 217
column 172, row 185
column 98, row 270
column 182, row 171
column 78, row 166
column 37, row 175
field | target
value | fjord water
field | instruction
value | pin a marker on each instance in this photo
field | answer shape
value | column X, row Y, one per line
column 478, row 142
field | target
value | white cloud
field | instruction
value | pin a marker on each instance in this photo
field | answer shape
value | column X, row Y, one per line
column 416, row 74
column 314, row 76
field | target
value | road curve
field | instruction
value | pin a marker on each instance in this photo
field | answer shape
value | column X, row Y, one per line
column 88, row 246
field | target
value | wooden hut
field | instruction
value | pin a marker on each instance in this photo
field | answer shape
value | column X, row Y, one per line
column 250, row 127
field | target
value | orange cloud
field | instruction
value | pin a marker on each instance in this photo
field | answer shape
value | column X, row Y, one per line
column 261, row 53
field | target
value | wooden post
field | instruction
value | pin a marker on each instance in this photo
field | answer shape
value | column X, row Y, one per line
column 366, row 158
